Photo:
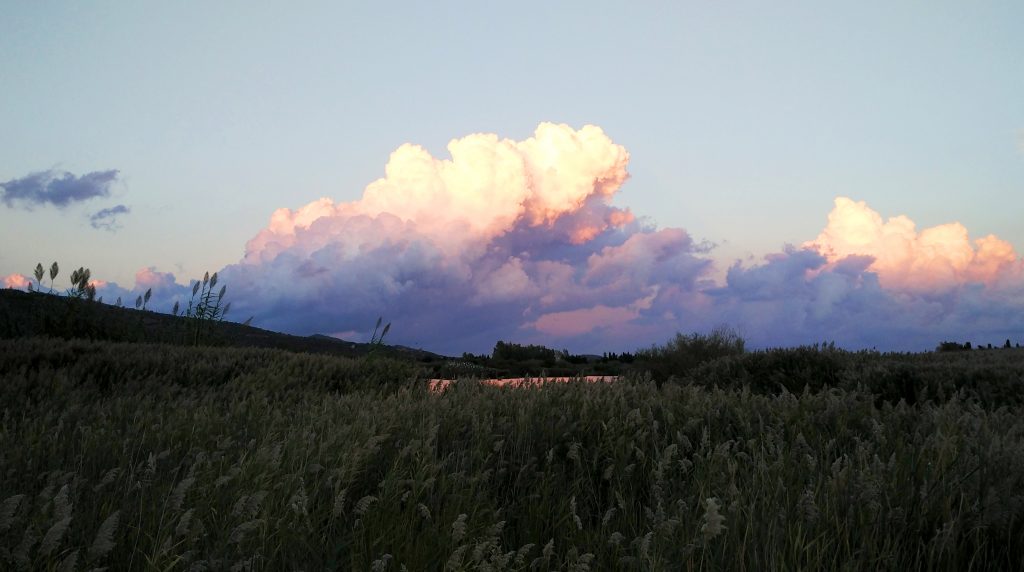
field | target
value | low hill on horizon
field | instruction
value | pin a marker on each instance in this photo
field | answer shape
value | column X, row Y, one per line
column 38, row 314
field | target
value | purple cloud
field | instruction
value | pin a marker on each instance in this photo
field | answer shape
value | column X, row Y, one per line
column 106, row 219
column 58, row 188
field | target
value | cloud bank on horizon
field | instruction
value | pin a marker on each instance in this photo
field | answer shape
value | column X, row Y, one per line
column 517, row 240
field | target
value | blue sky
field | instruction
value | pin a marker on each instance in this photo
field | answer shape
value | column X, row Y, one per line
column 743, row 121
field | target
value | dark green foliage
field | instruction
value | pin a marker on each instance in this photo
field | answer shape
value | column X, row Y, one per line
column 517, row 352
column 994, row 380
column 185, row 458
column 953, row 347
column 684, row 353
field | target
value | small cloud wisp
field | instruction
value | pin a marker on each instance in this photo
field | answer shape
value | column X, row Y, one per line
column 107, row 219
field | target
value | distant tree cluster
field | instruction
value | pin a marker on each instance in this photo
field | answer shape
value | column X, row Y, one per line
column 517, row 352
column 966, row 346
column 624, row 357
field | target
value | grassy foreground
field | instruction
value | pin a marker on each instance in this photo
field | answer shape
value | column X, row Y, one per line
column 153, row 457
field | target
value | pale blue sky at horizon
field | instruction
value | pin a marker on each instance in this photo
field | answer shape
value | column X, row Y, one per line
column 743, row 121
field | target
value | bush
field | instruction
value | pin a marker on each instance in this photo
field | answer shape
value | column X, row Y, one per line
column 682, row 354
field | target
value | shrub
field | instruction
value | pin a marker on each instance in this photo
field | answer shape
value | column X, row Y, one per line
column 684, row 353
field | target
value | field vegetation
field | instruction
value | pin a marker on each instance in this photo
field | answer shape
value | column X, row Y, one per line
column 174, row 457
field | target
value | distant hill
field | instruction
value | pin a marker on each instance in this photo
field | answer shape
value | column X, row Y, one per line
column 37, row 314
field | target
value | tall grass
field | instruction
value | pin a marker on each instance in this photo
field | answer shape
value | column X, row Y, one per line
column 134, row 456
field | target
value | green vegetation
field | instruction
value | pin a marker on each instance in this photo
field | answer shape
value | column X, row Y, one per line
column 141, row 456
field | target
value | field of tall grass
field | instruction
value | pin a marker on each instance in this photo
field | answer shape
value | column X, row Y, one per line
column 154, row 457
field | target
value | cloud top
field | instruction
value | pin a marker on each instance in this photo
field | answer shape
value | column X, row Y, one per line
column 488, row 188
column 934, row 258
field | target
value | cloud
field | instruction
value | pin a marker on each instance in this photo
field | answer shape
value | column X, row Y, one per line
column 935, row 258
column 453, row 250
column 17, row 281
column 106, row 219
column 518, row 240
column 58, row 188
column 799, row 297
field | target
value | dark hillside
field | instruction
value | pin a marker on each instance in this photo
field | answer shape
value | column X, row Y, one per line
column 25, row 314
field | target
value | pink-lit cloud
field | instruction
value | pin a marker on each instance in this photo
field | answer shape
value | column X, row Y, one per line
column 931, row 259
column 16, row 281
column 517, row 240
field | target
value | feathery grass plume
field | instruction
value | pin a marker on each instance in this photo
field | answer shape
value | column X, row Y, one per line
column 645, row 545
column 608, row 515
column 184, row 523
column 423, row 511
column 521, row 555
column 104, row 541
column 177, row 497
column 7, row 511
column 339, row 504
column 108, row 478
column 299, row 501
column 456, row 559
column 238, row 533
column 38, row 273
column 138, row 302
column 377, row 342
column 459, row 528
column 79, row 283
column 248, row 506
column 549, row 549
column 54, row 269
column 53, row 537
column 572, row 513
column 381, row 564
column 118, row 303
column 69, row 563
column 807, row 507
column 175, row 309
column 363, row 505
column 714, row 522
column 205, row 307
column 62, row 503
column 146, row 296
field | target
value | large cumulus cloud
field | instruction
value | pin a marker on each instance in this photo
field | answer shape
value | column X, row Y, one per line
column 517, row 240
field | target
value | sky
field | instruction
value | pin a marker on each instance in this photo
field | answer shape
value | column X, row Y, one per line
column 587, row 175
